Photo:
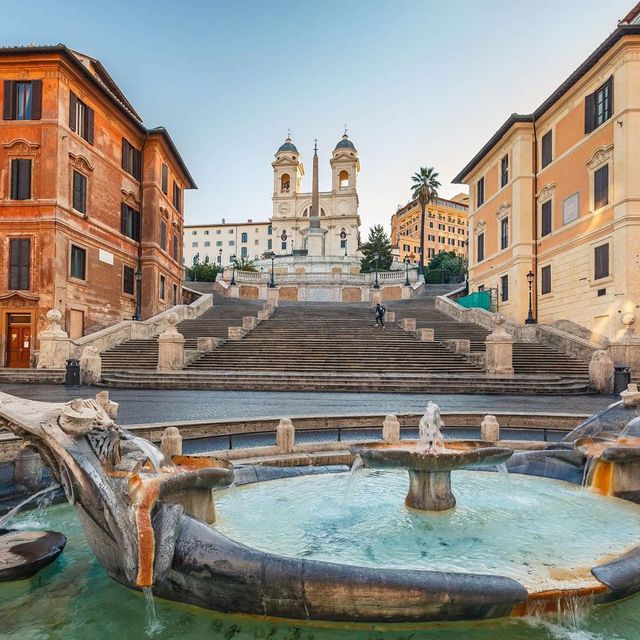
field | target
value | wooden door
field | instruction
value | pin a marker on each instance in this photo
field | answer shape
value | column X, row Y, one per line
column 19, row 347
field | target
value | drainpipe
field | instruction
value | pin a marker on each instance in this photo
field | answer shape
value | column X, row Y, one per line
column 138, row 312
column 534, row 261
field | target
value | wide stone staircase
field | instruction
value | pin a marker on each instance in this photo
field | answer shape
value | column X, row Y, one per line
column 337, row 347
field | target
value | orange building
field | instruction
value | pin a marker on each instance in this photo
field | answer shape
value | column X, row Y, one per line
column 92, row 201
column 556, row 193
column 445, row 228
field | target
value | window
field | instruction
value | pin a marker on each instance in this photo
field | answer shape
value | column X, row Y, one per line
column 80, row 118
column 194, row 244
column 79, row 192
column 244, row 237
column 207, row 244
column 131, row 159
column 165, row 179
column 601, row 259
column 130, row 222
column 452, row 242
column 174, row 296
column 19, row 263
column 177, row 197
column 163, row 235
column 175, row 247
column 546, row 279
column 163, row 283
column 193, row 233
column 343, row 178
column 441, row 227
column 20, row 179
column 232, row 243
column 283, row 245
column 285, row 183
column 504, row 288
column 547, row 152
column 571, row 208
column 480, row 192
column 430, row 226
column 22, row 100
column 598, row 106
column 128, row 279
column 219, row 243
column 78, row 266
column 480, row 248
column 431, row 238
column 545, row 216
column 244, row 252
column 601, row 187
column 269, row 244
column 430, row 253
column 270, row 230
column 504, row 233
column 206, row 232
column 441, row 239
column 504, row 171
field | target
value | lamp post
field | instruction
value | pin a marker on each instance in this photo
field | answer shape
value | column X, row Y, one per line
column 530, row 319
column 137, row 314
column 196, row 260
column 406, row 272
column 272, row 281
column 219, row 257
column 376, row 257
column 233, row 270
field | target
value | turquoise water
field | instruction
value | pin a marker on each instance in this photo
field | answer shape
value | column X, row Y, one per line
column 74, row 599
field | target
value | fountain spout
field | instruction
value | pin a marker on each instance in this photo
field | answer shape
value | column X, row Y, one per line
column 430, row 438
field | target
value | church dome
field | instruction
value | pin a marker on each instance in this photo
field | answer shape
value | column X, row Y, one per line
column 345, row 143
column 287, row 146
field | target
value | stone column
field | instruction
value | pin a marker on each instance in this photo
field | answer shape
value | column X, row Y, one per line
column 171, row 347
column 601, row 372
column 285, row 435
column 499, row 349
column 54, row 343
column 171, row 442
column 90, row 366
column 391, row 429
column 625, row 347
column 490, row 429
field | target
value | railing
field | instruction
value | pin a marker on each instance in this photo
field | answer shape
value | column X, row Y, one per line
column 263, row 277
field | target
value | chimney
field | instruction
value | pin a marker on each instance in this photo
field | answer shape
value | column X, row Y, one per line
column 222, row 220
column 249, row 221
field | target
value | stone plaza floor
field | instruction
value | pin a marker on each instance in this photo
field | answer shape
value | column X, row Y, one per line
column 144, row 406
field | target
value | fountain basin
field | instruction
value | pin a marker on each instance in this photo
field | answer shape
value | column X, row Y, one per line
column 24, row 553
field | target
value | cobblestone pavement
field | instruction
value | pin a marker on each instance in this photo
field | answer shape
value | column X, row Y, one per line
column 140, row 406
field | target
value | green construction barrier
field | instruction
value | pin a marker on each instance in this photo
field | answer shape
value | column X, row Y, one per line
column 477, row 300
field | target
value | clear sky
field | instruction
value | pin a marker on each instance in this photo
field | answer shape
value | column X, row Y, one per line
column 418, row 82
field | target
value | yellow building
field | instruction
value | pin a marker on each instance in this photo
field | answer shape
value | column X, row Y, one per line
column 445, row 228
column 556, row 193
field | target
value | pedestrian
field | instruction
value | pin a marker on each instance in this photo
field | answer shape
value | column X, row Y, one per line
column 380, row 311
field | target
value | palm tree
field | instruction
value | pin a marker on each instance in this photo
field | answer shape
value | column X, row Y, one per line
column 425, row 190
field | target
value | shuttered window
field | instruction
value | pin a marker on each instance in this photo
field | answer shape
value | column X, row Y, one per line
column 130, row 222
column 546, row 279
column 165, row 179
column 504, row 171
column 175, row 247
column 128, row 279
column 177, row 196
column 601, row 187
column 504, row 288
column 163, row 235
column 131, row 159
column 19, row 264
column 78, row 266
column 480, row 192
column 545, row 215
column 20, row 179
column 80, row 118
column 504, row 233
column 480, row 248
column 22, row 100
column 547, row 149
column 174, row 299
column 598, row 106
column 162, row 287
column 601, row 259
column 79, row 192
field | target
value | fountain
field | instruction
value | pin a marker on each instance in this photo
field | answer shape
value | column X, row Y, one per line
column 430, row 461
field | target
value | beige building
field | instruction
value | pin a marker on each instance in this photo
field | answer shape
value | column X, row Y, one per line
column 216, row 243
column 557, row 193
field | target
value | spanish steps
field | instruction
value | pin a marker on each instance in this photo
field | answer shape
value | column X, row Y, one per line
column 336, row 346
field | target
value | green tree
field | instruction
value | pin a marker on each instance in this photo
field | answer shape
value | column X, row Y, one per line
column 377, row 242
column 245, row 264
column 444, row 265
column 425, row 190
column 203, row 272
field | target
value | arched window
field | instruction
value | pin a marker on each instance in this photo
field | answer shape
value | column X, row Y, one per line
column 305, row 213
column 206, row 259
column 244, row 237
column 322, row 212
column 285, row 183
column 343, row 179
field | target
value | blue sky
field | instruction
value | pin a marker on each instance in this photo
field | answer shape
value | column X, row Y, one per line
column 418, row 82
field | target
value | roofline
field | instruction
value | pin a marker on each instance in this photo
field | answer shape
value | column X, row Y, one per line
column 414, row 201
column 224, row 224
column 176, row 154
column 620, row 32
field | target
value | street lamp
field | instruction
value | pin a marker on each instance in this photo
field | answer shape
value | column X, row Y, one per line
column 272, row 281
column 233, row 270
column 137, row 314
column 406, row 272
column 376, row 257
column 530, row 319
column 219, row 257
column 196, row 260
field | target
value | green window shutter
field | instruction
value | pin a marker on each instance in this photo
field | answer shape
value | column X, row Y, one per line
column 73, row 105
column 7, row 100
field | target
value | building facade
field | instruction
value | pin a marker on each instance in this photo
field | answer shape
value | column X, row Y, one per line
column 556, row 193
column 92, row 202
column 446, row 228
column 217, row 243
column 338, row 208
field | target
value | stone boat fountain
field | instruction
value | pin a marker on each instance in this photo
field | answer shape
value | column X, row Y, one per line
column 430, row 461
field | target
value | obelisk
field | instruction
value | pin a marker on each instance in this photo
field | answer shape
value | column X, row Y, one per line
column 315, row 239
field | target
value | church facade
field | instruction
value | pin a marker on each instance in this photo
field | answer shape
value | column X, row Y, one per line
column 335, row 230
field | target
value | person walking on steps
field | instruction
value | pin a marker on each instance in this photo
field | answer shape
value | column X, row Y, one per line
column 380, row 311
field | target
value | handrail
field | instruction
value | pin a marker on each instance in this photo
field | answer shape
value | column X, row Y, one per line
column 264, row 277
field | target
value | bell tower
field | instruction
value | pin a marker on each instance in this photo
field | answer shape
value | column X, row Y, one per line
column 344, row 167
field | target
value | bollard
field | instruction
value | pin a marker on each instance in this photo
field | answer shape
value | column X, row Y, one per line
column 391, row 429
column 490, row 429
column 171, row 442
column 285, row 435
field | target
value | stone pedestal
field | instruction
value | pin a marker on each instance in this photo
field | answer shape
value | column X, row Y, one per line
column 315, row 243
column 235, row 333
column 490, row 429
column 249, row 322
column 499, row 349
column 273, row 295
column 425, row 334
column 390, row 316
column 54, row 343
column 208, row 343
column 430, row 491
column 459, row 345
column 90, row 366
column 171, row 442
column 408, row 324
column 391, row 429
column 171, row 347
column 625, row 348
column 601, row 372
column 285, row 435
